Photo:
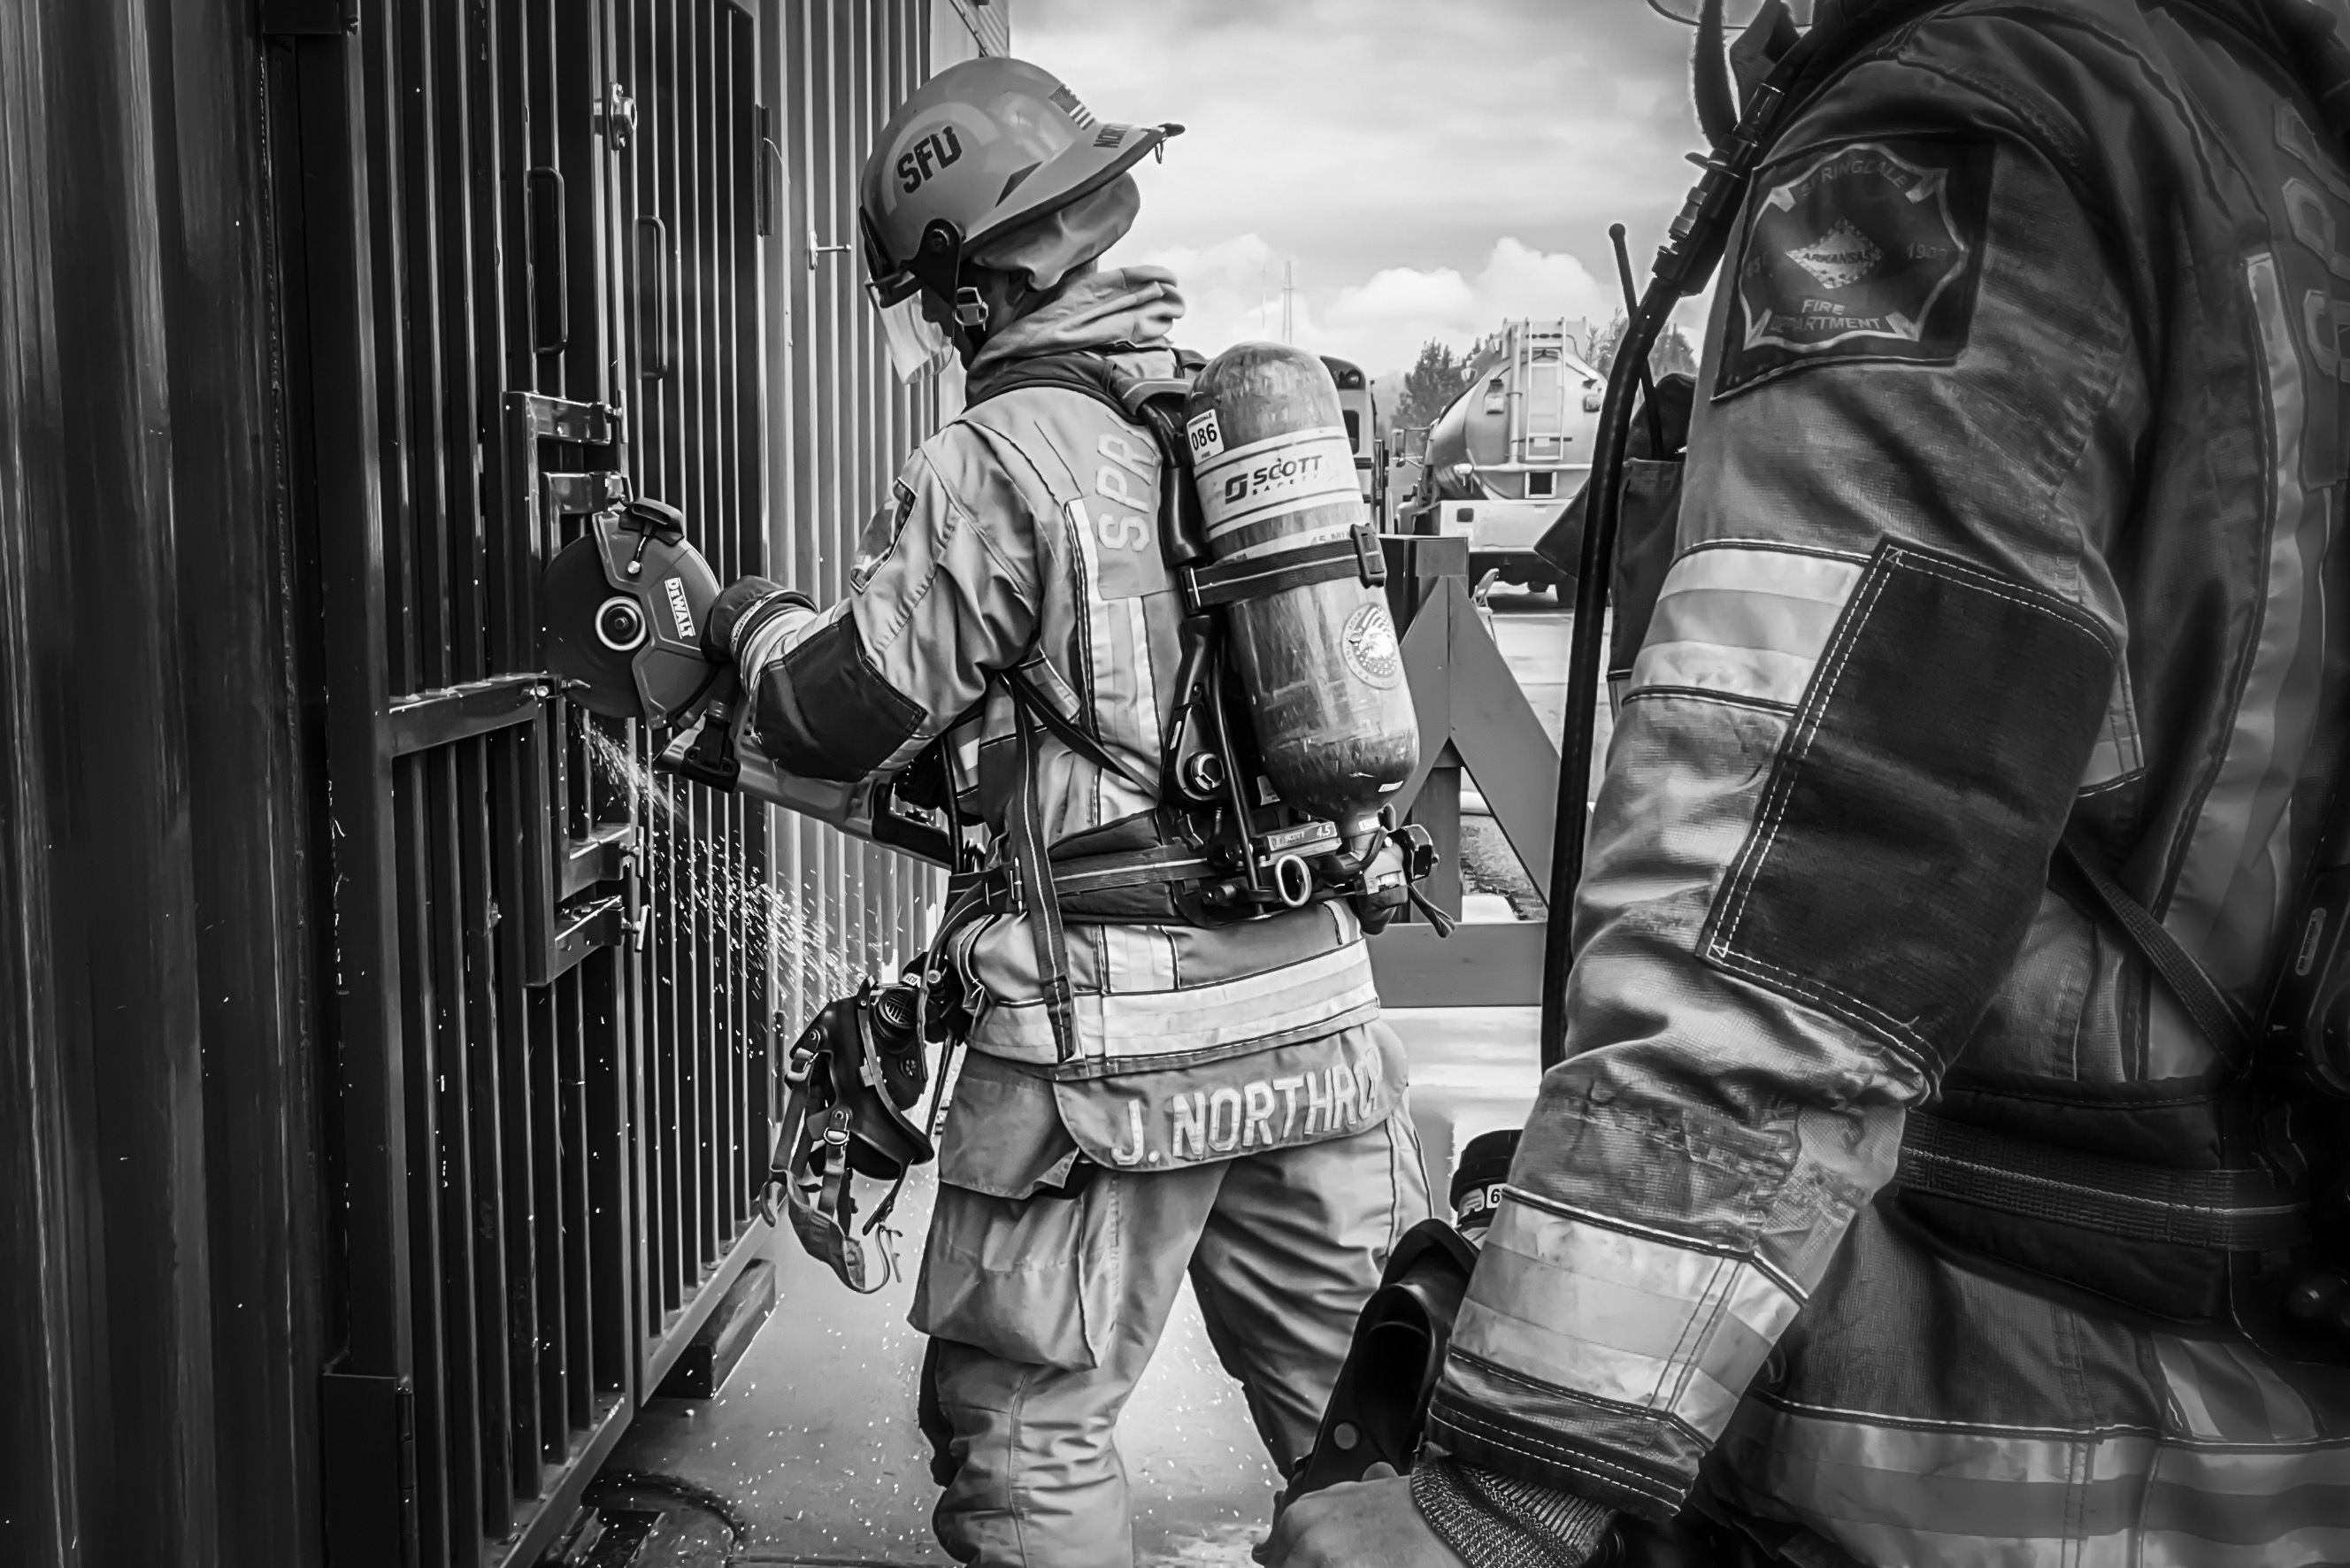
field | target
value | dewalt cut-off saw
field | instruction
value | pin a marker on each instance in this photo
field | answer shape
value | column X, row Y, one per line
column 623, row 606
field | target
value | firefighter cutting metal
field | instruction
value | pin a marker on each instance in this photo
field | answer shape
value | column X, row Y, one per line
column 1118, row 658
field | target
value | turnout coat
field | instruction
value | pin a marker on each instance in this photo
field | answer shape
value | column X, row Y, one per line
column 2013, row 500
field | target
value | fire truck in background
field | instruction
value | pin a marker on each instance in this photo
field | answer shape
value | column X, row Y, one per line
column 1510, row 453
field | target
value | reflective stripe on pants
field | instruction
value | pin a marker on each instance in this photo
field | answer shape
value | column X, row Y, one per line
column 1039, row 1353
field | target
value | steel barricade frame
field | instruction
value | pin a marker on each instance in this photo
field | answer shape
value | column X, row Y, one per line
column 1473, row 717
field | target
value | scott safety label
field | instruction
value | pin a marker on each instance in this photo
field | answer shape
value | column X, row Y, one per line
column 1871, row 251
column 1277, row 475
column 678, row 608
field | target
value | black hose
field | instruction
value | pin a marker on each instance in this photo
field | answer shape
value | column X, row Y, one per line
column 1603, row 506
column 1647, row 372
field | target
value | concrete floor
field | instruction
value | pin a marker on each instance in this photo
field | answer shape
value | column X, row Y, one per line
column 813, row 1439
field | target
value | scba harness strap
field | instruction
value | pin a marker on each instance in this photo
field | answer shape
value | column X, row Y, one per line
column 1152, row 868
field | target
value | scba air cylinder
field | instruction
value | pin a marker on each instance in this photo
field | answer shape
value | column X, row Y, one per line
column 1319, row 660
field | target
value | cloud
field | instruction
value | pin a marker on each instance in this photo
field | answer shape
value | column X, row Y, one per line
column 1234, row 291
column 1414, row 161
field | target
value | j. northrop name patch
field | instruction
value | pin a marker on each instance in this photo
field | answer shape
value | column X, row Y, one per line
column 1870, row 252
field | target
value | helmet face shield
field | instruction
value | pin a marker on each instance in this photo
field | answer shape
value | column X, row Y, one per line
column 917, row 346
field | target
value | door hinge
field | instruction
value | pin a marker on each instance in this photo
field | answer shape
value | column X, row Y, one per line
column 369, row 1472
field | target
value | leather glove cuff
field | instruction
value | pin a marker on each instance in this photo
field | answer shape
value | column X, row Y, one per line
column 740, row 610
column 1492, row 1520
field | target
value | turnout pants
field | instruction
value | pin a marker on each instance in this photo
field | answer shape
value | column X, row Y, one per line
column 1044, row 1311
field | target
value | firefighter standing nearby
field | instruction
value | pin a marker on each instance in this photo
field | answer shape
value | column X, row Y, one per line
column 1889, row 1208
column 1221, row 1100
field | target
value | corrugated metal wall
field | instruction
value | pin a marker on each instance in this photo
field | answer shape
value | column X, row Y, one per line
column 364, row 308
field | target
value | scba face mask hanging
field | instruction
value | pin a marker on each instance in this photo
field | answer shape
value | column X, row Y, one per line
column 854, row 1072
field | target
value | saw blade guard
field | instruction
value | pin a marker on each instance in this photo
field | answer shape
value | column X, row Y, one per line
column 623, row 608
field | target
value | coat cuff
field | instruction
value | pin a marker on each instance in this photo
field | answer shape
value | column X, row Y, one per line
column 1600, row 1357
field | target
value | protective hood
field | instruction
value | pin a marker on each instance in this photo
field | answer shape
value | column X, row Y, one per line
column 1132, row 307
column 1050, row 247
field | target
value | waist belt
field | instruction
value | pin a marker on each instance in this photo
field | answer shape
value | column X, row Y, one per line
column 999, row 891
column 2226, row 1210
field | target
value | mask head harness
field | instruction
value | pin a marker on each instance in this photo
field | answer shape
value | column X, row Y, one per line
column 851, row 1077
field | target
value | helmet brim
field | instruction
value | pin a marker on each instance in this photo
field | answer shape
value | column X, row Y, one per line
column 1083, row 167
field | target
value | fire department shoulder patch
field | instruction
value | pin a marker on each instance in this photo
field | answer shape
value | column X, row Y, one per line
column 1870, row 252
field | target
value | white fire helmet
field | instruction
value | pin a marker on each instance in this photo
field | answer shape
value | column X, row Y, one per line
column 992, row 162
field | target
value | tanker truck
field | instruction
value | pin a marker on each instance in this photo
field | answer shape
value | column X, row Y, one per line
column 1508, row 453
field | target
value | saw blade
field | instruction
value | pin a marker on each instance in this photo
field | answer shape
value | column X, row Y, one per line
column 572, row 593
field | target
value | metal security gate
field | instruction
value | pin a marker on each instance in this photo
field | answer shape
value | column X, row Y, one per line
column 522, row 267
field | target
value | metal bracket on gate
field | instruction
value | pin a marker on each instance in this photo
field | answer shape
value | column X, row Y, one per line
column 568, row 909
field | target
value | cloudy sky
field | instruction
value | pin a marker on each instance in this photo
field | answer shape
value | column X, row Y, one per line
column 1428, row 167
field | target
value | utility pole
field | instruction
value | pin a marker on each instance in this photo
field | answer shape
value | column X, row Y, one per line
column 1288, row 302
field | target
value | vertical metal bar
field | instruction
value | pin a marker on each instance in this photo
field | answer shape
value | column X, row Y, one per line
column 838, row 80
column 339, row 293
column 750, row 182
column 387, row 259
column 404, row 372
column 572, row 1016
column 460, row 1287
column 578, row 74
column 661, row 102
column 447, row 1433
column 687, row 137
column 475, row 912
column 871, row 77
column 605, row 1088
column 710, row 1012
column 632, row 1101
column 485, row 768
column 774, row 70
column 710, row 25
column 546, row 1216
